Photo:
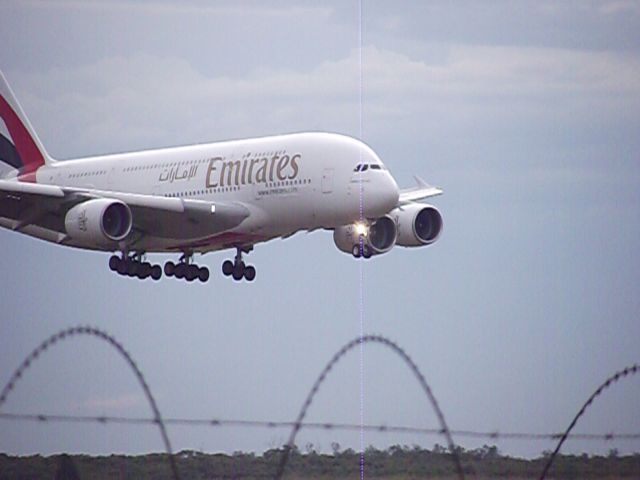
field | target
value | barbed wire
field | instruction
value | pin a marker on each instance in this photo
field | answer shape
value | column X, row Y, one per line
column 94, row 332
column 359, row 341
column 274, row 424
column 299, row 423
column 632, row 370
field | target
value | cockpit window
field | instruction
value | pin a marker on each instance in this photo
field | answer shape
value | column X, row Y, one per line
column 362, row 167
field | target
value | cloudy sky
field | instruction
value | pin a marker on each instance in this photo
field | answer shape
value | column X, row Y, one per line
column 527, row 114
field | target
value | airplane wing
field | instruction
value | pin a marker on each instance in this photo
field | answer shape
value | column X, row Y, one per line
column 45, row 206
column 421, row 191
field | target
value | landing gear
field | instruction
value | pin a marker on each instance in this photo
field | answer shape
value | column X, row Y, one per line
column 237, row 269
column 227, row 268
column 186, row 270
column 250, row 273
column 133, row 266
column 361, row 250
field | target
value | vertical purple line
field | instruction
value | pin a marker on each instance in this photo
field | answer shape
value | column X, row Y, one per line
column 360, row 134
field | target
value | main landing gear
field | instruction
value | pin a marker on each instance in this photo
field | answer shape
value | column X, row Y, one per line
column 237, row 269
column 133, row 266
column 186, row 270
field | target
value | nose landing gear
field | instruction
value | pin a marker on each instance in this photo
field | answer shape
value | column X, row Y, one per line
column 237, row 269
column 361, row 250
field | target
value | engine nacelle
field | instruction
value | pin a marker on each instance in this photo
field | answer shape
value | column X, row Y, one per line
column 378, row 237
column 99, row 222
column 418, row 224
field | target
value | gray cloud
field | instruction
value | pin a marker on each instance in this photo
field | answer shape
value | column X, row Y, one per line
column 147, row 94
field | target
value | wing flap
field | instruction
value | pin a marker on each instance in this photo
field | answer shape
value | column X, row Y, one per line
column 23, row 188
column 30, row 203
column 193, row 219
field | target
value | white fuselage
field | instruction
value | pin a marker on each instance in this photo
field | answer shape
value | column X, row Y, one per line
column 289, row 183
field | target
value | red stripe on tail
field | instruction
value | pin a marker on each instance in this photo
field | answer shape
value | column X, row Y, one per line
column 27, row 149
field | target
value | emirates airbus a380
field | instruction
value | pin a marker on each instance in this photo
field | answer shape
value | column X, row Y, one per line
column 196, row 199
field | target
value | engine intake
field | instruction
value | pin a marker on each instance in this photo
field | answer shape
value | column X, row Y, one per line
column 418, row 224
column 382, row 235
column 99, row 223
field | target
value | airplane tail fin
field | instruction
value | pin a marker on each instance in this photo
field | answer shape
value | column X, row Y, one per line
column 21, row 152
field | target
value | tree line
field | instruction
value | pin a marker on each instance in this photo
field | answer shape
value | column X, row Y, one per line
column 399, row 462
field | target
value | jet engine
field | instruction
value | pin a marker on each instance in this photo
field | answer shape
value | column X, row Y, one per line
column 418, row 224
column 99, row 222
column 377, row 237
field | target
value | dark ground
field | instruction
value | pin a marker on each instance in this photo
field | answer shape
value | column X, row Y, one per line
column 397, row 463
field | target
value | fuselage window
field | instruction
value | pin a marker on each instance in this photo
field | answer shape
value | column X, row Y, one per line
column 375, row 166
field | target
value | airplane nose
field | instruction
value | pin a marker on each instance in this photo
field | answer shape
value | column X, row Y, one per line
column 392, row 193
column 381, row 196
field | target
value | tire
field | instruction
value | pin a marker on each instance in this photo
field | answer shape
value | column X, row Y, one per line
column 156, row 272
column 180, row 270
column 227, row 268
column 122, row 267
column 191, row 273
column 169, row 268
column 238, row 271
column 114, row 261
column 366, row 251
column 132, row 268
column 203, row 274
column 355, row 251
column 250, row 273
column 144, row 269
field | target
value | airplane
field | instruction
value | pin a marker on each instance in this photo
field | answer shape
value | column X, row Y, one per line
column 196, row 199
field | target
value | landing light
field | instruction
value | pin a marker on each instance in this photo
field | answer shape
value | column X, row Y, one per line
column 361, row 229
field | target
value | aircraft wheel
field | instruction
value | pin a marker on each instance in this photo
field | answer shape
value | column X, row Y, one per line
column 144, row 270
column 114, row 262
column 156, row 272
column 180, row 270
column 238, row 271
column 355, row 251
column 227, row 268
column 250, row 273
column 203, row 274
column 169, row 268
column 191, row 273
column 122, row 266
column 132, row 268
column 366, row 251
